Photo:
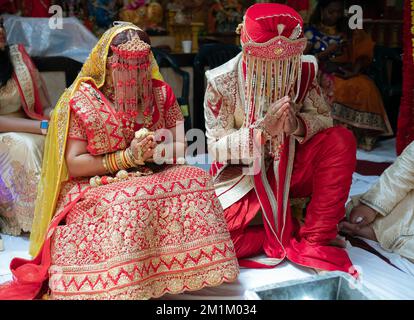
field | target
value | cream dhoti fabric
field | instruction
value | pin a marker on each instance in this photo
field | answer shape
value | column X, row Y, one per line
column 393, row 198
column 395, row 232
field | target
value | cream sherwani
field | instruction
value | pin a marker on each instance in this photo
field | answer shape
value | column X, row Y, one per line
column 393, row 198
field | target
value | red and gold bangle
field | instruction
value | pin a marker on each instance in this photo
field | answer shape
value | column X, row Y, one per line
column 105, row 164
column 121, row 159
column 109, row 163
column 115, row 164
column 118, row 160
column 128, row 157
column 112, row 162
column 125, row 163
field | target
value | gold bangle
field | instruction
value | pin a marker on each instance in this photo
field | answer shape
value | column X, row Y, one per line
column 109, row 163
column 124, row 161
column 104, row 163
column 112, row 161
column 119, row 160
column 128, row 158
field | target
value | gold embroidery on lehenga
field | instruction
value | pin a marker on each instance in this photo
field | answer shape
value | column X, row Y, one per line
column 142, row 238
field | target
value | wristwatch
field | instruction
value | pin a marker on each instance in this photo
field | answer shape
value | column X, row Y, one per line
column 44, row 125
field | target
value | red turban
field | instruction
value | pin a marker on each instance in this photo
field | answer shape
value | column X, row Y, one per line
column 265, row 21
column 273, row 44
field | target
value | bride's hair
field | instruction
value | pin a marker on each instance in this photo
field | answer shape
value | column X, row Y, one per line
column 126, row 35
column 6, row 66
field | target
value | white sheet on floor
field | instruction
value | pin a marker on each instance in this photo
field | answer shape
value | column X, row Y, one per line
column 383, row 280
column 402, row 263
column 14, row 247
column 248, row 279
column 384, row 152
column 361, row 184
column 380, row 278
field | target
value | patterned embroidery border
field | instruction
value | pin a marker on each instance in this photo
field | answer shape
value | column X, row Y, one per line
column 208, row 265
column 359, row 119
column 23, row 76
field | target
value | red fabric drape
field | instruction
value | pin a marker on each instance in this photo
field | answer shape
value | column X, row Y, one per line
column 405, row 134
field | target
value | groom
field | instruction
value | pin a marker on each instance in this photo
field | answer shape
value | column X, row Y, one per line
column 269, row 96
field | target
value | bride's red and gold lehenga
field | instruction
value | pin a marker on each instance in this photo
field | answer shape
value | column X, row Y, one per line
column 138, row 238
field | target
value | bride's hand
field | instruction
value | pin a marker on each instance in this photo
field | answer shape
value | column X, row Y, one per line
column 143, row 148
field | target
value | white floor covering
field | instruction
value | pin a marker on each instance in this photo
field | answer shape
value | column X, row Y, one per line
column 385, row 151
column 383, row 280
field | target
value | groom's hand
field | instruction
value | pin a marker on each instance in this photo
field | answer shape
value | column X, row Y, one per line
column 275, row 118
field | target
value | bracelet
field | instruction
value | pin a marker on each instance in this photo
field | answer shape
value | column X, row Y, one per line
column 128, row 158
column 105, row 164
column 111, row 163
column 44, row 125
column 120, row 160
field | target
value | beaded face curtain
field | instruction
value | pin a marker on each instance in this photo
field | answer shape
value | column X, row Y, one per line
column 273, row 71
column 132, row 81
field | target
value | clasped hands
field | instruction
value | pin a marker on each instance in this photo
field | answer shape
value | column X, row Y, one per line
column 281, row 118
column 143, row 146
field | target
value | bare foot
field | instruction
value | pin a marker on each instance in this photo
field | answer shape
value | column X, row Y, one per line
column 353, row 229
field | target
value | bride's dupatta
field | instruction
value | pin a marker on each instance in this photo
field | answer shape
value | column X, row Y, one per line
column 29, row 276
